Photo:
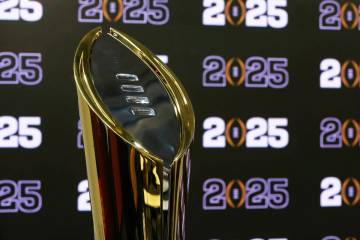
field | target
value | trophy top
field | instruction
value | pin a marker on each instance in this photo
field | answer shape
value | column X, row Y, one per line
column 135, row 94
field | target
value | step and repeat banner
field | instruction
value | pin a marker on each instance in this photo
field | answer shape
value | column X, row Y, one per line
column 274, row 84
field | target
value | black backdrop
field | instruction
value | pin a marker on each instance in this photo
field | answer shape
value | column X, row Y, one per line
column 273, row 157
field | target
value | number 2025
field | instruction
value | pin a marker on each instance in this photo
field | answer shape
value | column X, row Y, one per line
column 258, row 132
column 20, row 132
column 255, row 193
column 155, row 12
column 255, row 13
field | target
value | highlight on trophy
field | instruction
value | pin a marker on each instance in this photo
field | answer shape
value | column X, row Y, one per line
column 138, row 125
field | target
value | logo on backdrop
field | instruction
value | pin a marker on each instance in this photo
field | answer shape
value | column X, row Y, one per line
column 335, row 133
column 336, row 74
column 256, row 132
column 254, row 72
column 154, row 12
column 338, row 15
column 255, row 193
column 337, row 193
column 22, row 68
column 248, row 13
column 20, row 196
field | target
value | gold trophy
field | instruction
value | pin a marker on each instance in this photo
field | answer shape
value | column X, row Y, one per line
column 138, row 124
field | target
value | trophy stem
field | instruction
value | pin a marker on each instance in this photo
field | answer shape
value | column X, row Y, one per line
column 133, row 197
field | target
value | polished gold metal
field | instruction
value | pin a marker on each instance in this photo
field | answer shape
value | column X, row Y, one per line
column 133, row 194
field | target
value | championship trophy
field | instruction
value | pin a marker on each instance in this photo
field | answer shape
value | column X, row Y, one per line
column 138, row 124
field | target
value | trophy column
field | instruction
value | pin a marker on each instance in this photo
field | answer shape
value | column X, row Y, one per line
column 137, row 162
